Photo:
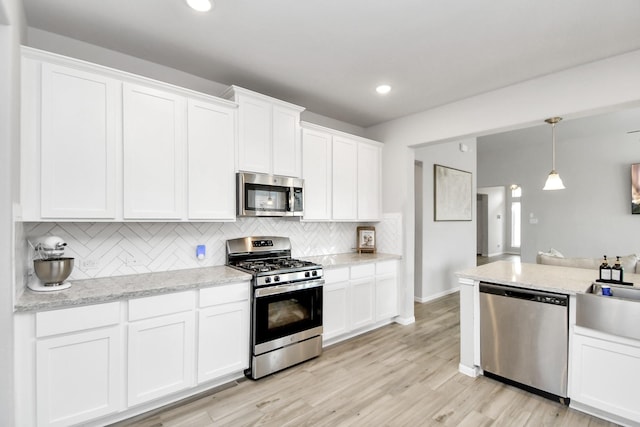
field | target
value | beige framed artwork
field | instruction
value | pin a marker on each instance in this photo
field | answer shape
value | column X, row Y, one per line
column 366, row 239
column 452, row 194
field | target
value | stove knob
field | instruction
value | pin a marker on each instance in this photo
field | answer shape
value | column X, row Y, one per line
column 307, row 274
column 314, row 273
column 276, row 278
column 267, row 280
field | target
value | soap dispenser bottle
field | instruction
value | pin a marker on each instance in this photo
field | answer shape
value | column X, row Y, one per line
column 617, row 271
column 605, row 270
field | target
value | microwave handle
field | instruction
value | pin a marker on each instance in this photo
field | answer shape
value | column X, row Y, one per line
column 292, row 192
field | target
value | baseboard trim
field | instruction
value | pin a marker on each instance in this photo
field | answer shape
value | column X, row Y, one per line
column 470, row 371
column 404, row 321
column 436, row 296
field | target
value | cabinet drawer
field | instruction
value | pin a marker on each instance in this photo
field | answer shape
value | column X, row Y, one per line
column 224, row 294
column 76, row 319
column 336, row 275
column 386, row 267
column 160, row 305
column 364, row 270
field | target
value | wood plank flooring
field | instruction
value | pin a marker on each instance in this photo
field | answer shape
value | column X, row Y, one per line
column 394, row 376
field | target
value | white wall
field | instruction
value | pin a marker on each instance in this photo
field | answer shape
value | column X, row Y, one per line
column 11, row 27
column 495, row 216
column 580, row 91
column 592, row 216
column 448, row 246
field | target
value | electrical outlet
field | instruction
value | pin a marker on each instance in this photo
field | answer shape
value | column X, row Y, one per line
column 89, row 264
column 130, row 260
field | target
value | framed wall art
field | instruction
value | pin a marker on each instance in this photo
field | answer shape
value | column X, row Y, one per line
column 366, row 239
column 453, row 192
column 635, row 188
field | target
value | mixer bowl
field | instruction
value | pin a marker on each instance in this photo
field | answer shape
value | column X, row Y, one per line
column 53, row 271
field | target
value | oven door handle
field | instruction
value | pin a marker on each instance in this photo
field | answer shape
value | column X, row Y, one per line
column 281, row 289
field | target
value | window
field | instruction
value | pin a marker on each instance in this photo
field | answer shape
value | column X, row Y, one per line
column 516, row 193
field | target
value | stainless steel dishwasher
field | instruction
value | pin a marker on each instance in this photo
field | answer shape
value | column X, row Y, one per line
column 524, row 338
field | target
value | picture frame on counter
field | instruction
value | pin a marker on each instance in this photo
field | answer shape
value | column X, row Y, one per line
column 453, row 192
column 366, row 239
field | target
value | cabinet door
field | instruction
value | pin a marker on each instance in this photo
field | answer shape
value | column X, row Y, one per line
column 161, row 356
column 254, row 136
column 605, row 375
column 286, row 142
column 386, row 297
column 223, row 340
column 78, row 376
column 211, row 146
column 362, row 302
column 78, row 143
column 153, row 137
column 316, row 172
column 369, row 182
column 335, row 310
column 345, row 179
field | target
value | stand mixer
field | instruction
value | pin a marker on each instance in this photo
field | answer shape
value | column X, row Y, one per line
column 50, row 266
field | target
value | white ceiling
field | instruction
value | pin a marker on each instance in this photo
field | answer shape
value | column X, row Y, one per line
column 328, row 55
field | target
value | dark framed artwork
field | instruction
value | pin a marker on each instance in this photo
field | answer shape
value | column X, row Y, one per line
column 366, row 239
column 635, row 188
column 453, row 193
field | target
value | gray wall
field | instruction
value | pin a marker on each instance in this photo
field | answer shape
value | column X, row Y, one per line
column 592, row 216
column 496, row 219
column 11, row 31
column 447, row 246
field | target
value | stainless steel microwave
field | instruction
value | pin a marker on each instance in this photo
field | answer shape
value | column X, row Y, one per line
column 269, row 195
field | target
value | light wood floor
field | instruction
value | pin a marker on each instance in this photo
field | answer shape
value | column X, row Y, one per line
column 482, row 260
column 394, row 376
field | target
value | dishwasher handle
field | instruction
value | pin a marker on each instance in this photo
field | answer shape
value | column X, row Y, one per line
column 525, row 294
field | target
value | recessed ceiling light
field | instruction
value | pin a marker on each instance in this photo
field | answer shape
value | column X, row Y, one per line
column 200, row 5
column 383, row 89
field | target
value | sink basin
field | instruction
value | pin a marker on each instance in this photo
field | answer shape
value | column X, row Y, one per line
column 618, row 314
column 617, row 291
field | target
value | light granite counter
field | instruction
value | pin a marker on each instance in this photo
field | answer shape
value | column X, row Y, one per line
column 348, row 259
column 106, row 289
column 565, row 280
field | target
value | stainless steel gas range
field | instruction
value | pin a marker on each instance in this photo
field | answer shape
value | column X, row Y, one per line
column 286, row 309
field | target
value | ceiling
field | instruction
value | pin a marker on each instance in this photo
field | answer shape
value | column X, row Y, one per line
column 328, row 55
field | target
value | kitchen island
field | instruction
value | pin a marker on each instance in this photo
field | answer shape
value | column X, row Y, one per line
column 603, row 368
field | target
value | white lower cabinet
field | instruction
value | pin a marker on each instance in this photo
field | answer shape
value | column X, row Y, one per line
column 357, row 298
column 223, row 331
column 78, row 364
column 161, row 346
column 605, row 373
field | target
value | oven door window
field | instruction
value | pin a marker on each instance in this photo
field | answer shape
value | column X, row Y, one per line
column 284, row 314
column 266, row 198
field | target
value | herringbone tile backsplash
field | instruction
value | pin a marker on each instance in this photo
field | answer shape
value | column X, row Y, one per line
column 114, row 249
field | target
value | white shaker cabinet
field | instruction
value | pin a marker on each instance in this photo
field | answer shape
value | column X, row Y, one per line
column 316, row 172
column 268, row 133
column 223, row 331
column 342, row 176
column 161, row 346
column 362, row 295
column 211, row 173
column 605, row 374
column 70, row 164
column 386, row 290
column 369, row 182
column 336, row 306
column 153, row 145
column 78, row 364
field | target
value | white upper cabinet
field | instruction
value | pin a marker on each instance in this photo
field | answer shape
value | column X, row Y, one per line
column 316, row 172
column 99, row 144
column 78, row 144
column 211, row 152
column 268, row 133
column 345, row 179
column 342, row 176
column 153, row 145
column 369, row 182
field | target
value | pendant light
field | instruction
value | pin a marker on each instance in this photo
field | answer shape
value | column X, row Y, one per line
column 553, row 180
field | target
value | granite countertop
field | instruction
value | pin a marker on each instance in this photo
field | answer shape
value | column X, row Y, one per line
column 565, row 280
column 345, row 260
column 106, row 289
